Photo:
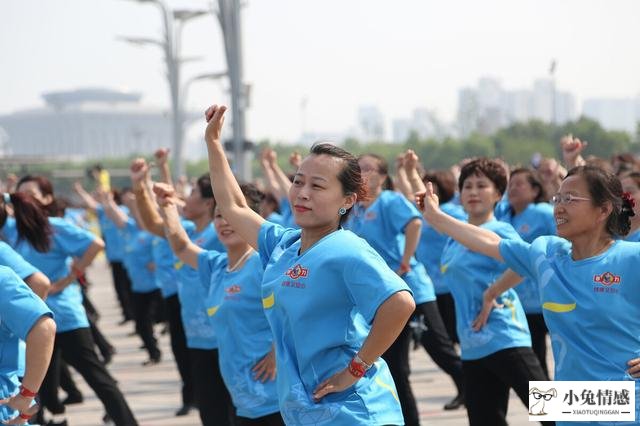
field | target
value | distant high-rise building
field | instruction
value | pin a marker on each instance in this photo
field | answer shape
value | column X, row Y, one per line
column 614, row 113
column 370, row 124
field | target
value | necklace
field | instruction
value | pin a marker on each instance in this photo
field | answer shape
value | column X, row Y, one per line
column 239, row 262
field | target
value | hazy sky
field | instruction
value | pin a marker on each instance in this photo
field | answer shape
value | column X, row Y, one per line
column 338, row 54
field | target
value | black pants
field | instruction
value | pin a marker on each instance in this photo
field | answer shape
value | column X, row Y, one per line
column 105, row 348
column 274, row 419
column 145, row 307
column 397, row 357
column 122, row 285
column 488, row 380
column 435, row 340
column 539, row 331
column 212, row 396
column 179, row 348
column 447, row 308
column 76, row 348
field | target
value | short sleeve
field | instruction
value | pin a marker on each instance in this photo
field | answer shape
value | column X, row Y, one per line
column 209, row 262
column 403, row 212
column 516, row 255
column 10, row 258
column 72, row 239
column 20, row 308
column 370, row 282
column 268, row 238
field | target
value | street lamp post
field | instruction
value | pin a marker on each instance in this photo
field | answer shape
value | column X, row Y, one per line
column 170, row 45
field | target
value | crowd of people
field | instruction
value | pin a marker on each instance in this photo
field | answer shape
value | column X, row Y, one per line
column 296, row 298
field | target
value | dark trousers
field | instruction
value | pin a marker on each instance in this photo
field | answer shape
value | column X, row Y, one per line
column 122, row 285
column 488, row 380
column 179, row 348
column 447, row 309
column 145, row 306
column 106, row 349
column 76, row 348
column 397, row 357
column 66, row 380
column 212, row 397
column 435, row 340
column 274, row 419
column 539, row 331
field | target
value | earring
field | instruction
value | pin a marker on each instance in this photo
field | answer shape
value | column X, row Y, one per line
column 342, row 211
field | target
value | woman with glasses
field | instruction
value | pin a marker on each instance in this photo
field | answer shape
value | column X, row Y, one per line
column 590, row 291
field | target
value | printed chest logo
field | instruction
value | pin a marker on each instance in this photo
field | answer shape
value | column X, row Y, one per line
column 606, row 279
column 231, row 292
column 297, row 271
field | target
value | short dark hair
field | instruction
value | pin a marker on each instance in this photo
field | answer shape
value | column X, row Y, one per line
column 350, row 176
column 534, row 180
column 383, row 169
column 445, row 181
column 605, row 187
column 253, row 196
column 486, row 167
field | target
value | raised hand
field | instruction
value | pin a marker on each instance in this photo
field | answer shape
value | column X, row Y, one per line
column 161, row 155
column 295, row 159
column 410, row 160
column 215, row 119
column 164, row 193
column 572, row 149
column 139, row 170
column 428, row 202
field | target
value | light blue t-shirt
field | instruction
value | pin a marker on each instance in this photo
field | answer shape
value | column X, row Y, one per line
column 432, row 243
column 112, row 235
column 234, row 303
column 20, row 309
column 67, row 241
column 533, row 222
column 382, row 224
column 320, row 306
column 138, row 257
column 634, row 237
column 288, row 219
column 591, row 306
column 276, row 218
column 165, row 273
column 468, row 275
column 198, row 327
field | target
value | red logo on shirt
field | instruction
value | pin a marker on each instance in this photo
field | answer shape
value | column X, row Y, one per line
column 234, row 289
column 296, row 272
column 370, row 216
column 607, row 279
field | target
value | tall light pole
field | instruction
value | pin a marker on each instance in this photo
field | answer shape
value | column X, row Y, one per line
column 230, row 22
column 170, row 45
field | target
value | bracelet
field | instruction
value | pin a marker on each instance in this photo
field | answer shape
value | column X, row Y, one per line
column 24, row 416
column 26, row 392
column 357, row 367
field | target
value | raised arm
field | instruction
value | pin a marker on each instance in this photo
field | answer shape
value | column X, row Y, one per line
column 117, row 216
column 473, row 237
column 162, row 161
column 226, row 190
column 87, row 199
column 149, row 217
column 572, row 151
column 283, row 181
column 401, row 181
column 273, row 185
column 411, row 166
column 181, row 245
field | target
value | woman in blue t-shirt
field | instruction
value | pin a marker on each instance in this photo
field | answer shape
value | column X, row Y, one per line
column 232, row 282
column 587, row 277
column 62, row 251
column 333, row 304
column 531, row 216
column 500, row 356
column 22, row 316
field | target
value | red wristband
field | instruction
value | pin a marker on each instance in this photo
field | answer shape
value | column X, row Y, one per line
column 356, row 369
column 24, row 416
column 26, row 392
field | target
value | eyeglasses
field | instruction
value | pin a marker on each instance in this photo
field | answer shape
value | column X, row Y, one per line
column 546, row 397
column 566, row 199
